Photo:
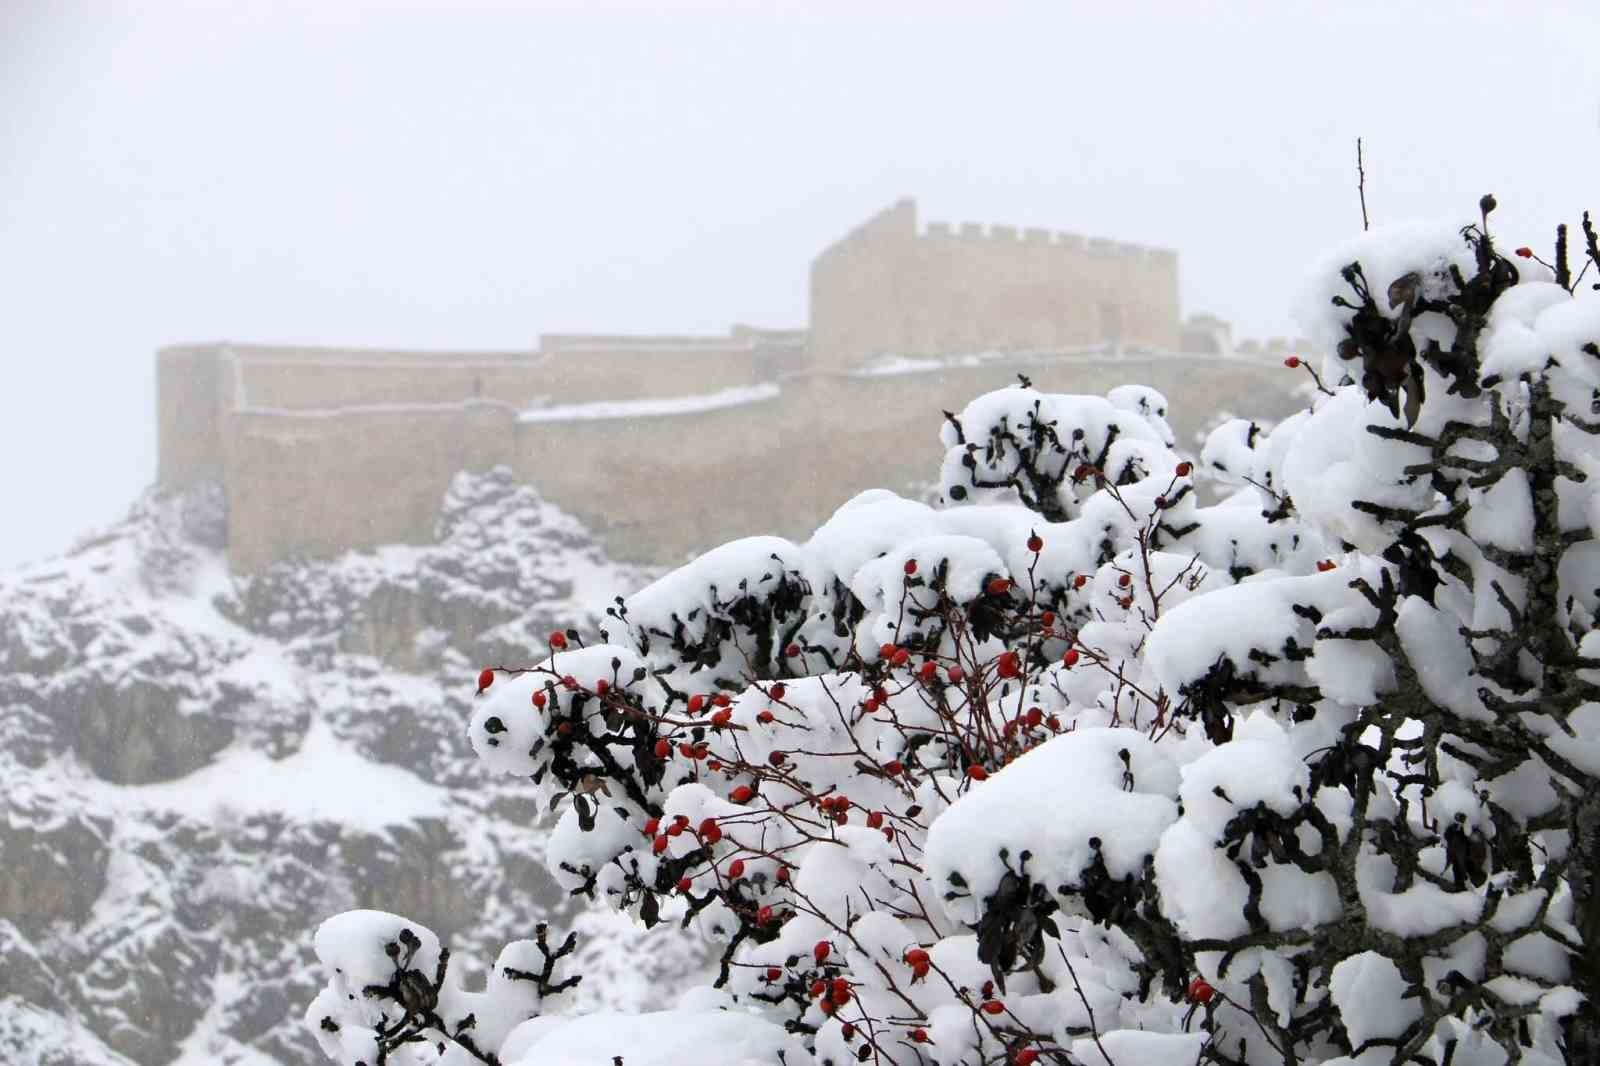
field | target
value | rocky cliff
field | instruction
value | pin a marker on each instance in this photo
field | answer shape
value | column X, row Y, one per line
column 199, row 769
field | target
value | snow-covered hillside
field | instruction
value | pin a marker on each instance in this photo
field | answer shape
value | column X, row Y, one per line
column 200, row 769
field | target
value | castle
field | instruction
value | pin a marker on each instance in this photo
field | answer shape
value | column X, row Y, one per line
column 671, row 444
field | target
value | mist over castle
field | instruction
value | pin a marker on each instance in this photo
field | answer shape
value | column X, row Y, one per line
column 667, row 444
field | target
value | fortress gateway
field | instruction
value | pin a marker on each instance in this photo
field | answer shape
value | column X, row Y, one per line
column 671, row 444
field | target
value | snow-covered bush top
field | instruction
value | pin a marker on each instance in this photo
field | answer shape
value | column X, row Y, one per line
column 1073, row 768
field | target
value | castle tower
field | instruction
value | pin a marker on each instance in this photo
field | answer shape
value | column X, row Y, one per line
column 886, row 289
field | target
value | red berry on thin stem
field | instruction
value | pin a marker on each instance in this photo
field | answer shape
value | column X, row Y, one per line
column 558, row 640
column 485, row 679
column 1292, row 362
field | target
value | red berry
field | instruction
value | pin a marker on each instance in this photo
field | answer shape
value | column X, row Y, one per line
column 840, row 992
column 538, row 699
column 1324, row 565
column 1080, row 581
column 977, row 773
column 999, row 586
column 683, row 884
column 792, row 651
column 778, row 692
column 601, row 687
column 820, row 952
column 901, row 657
column 916, row 957
column 783, row 875
column 652, row 827
column 919, row 1036
column 928, row 670
column 993, row 1006
column 1053, row 723
column 1035, row 544
column 675, row 829
column 1526, row 253
column 741, row 794
column 1034, row 717
column 847, row 1031
column 875, row 820
column 1070, row 659
column 911, row 567
column 1200, row 991
column 697, row 703
column 1292, row 362
column 955, row 674
column 1009, row 665
column 735, row 869
column 710, row 831
column 894, row 767
column 919, row 970
column 1125, row 580
column 1161, row 503
column 558, row 640
column 764, row 915
column 1025, row 1057
column 721, row 718
column 1048, row 619
column 485, row 679
column 720, row 700
column 663, row 748
column 818, row 987
column 776, row 758
column 569, row 683
column 764, row 717
column 1185, row 469
column 1125, row 602
column 886, row 651
column 773, row 973
column 659, row 845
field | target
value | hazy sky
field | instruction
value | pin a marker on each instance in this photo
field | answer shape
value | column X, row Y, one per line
column 457, row 175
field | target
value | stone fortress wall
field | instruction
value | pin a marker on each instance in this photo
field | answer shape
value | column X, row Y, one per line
column 667, row 445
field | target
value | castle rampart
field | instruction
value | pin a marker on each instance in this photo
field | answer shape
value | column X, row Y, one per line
column 668, row 444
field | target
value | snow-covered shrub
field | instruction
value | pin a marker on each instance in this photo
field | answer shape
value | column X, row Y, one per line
column 1072, row 769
